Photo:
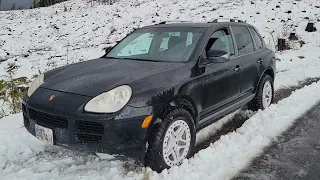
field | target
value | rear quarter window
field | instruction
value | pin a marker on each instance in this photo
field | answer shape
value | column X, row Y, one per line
column 257, row 39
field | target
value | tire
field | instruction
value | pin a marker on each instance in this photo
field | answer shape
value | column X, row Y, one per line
column 265, row 94
column 161, row 151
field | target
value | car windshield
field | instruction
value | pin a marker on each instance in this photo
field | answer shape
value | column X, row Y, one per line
column 158, row 44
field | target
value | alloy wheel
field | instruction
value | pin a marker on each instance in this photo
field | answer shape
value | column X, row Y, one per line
column 267, row 94
column 176, row 143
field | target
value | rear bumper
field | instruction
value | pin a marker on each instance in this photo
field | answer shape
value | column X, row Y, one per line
column 116, row 134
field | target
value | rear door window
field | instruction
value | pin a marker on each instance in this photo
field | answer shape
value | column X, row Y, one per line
column 243, row 40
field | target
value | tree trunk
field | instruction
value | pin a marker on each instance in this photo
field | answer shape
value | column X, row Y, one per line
column 310, row 27
column 282, row 44
column 293, row 37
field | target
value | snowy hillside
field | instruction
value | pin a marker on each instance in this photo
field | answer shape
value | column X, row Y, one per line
column 45, row 38
column 41, row 39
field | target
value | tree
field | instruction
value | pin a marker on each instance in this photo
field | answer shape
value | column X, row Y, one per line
column 45, row 3
column 12, row 89
column 13, row 6
column 34, row 4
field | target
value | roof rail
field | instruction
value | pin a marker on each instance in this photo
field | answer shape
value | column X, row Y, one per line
column 173, row 21
column 227, row 19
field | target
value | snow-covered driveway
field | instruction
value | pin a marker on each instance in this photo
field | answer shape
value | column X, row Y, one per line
column 295, row 155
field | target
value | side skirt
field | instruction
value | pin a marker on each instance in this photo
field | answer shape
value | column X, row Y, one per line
column 228, row 108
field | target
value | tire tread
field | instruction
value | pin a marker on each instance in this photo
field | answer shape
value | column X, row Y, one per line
column 257, row 103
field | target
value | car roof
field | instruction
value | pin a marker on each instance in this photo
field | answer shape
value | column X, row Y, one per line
column 196, row 24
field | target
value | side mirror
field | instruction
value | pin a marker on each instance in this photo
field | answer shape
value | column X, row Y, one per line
column 217, row 56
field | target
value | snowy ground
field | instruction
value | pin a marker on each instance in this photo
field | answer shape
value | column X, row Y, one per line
column 40, row 39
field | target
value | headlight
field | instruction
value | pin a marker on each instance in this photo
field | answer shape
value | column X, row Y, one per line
column 111, row 101
column 35, row 84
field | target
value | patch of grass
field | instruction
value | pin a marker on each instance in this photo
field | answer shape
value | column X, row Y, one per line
column 12, row 90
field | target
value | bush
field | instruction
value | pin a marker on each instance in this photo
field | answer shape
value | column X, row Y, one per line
column 12, row 90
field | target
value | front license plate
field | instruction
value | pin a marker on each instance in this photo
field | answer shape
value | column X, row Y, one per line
column 44, row 134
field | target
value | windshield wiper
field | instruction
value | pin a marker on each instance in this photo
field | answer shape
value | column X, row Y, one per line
column 139, row 59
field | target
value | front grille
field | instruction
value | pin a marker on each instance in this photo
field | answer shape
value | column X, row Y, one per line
column 88, row 138
column 88, row 131
column 48, row 120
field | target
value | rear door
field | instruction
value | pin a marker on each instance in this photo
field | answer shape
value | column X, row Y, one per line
column 248, row 58
column 261, row 50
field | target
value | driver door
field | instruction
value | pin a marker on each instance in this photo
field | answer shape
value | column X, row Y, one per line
column 223, row 79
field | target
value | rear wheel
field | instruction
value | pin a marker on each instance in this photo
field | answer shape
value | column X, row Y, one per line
column 171, row 141
column 265, row 94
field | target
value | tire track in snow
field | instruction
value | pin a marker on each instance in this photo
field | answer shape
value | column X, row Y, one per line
column 295, row 154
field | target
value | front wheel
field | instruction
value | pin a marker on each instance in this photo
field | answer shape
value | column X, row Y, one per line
column 265, row 94
column 171, row 141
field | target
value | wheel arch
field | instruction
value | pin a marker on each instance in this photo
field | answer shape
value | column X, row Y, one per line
column 179, row 101
column 268, row 71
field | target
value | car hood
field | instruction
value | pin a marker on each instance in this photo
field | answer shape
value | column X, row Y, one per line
column 91, row 78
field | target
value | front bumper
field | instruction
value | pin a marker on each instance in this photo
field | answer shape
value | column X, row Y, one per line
column 117, row 134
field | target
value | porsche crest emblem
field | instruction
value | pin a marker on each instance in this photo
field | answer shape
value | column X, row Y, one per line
column 51, row 97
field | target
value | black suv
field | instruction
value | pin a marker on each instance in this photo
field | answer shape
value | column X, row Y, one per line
column 150, row 94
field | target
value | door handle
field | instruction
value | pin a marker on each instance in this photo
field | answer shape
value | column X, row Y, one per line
column 260, row 61
column 238, row 68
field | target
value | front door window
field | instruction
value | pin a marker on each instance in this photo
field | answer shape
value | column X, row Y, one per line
column 221, row 40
